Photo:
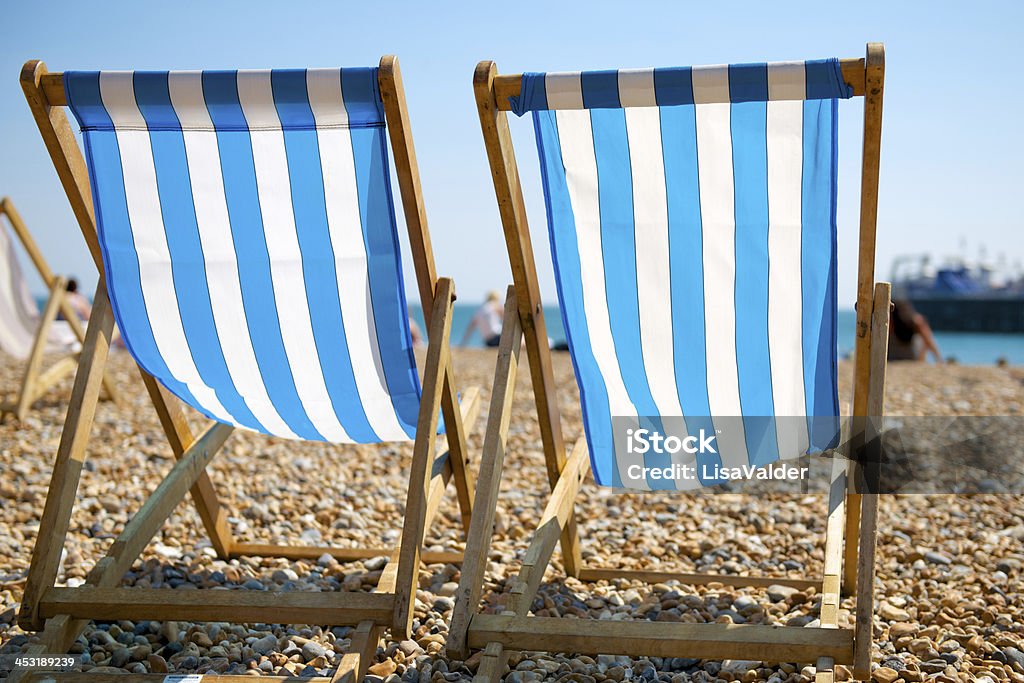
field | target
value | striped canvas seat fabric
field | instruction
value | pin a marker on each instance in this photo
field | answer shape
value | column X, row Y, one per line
column 249, row 241
column 691, row 214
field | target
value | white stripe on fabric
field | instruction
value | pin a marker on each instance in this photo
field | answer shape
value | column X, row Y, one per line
column 711, row 86
column 718, row 221
column 653, row 274
column 785, row 209
column 203, row 156
column 787, row 81
column 147, row 226
column 564, row 90
column 274, row 188
column 350, row 260
column 636, row 88
column 576, row 139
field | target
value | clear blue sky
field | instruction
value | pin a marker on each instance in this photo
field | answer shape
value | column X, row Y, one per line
column 952, row 141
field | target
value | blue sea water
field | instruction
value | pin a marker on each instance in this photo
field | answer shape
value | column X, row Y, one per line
column 967, row 348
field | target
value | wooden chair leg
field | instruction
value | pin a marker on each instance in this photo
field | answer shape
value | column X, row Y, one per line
column 359, row 656
column 863, row 635
column 478, row 540
column 457, row 448
column 825, row 670
column 30, row 386
column 505, row 174
column 492, row 664
column 60, row 498
column 438, row 357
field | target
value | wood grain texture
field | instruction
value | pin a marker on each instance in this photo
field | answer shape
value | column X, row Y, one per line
column 512, row 209
column 874, row 80
column 481, row 530
column 663, row 639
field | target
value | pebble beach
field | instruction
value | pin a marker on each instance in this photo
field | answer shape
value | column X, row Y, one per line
column 949, row 586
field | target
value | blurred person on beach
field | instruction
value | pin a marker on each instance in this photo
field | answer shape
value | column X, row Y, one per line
column 416, row 333
column 486, row 321
column 78, row 302
column 910, row 336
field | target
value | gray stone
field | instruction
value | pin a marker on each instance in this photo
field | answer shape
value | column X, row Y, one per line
column 935, row 557
column 1014, row 656
column 739, row 666
column 777, row 593
column 284, row 576
column 265, row 645
column 375, row 563
column 312, row 650
column 120, row 657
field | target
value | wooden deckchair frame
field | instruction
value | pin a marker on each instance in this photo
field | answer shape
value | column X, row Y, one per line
column 62, row 613
column 35, row 381
column 849, row 511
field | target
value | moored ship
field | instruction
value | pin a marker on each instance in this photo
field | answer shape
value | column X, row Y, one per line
column 961, row 296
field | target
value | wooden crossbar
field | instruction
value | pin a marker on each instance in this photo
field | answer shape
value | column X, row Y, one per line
column 311, row 552
column 269, row 607
column 611, row 573
column 662, row 639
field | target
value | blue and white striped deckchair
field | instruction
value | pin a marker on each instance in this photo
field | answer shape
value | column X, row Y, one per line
column 246, row 234
column 691, row 215
column 692, row 222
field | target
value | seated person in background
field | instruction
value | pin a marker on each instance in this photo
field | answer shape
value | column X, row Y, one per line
column 78, row 302
column 910, row 336
column 486, row 321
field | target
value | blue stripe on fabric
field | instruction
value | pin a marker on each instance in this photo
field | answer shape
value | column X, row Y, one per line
column 181, row 231
column 117, row 245
column 748, row 83
column 319, row 273
column 818, row 272
column 565, row 256
column 363, row 102
column 673, row 87
column 749, row 122
column 220, row 90
column 533, row 95
column 824, row 79
column 387, row 289
column 600, row 89
column 618, row 247
column 685, row 234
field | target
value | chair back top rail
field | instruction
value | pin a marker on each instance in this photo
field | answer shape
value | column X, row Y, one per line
column 509, row 85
